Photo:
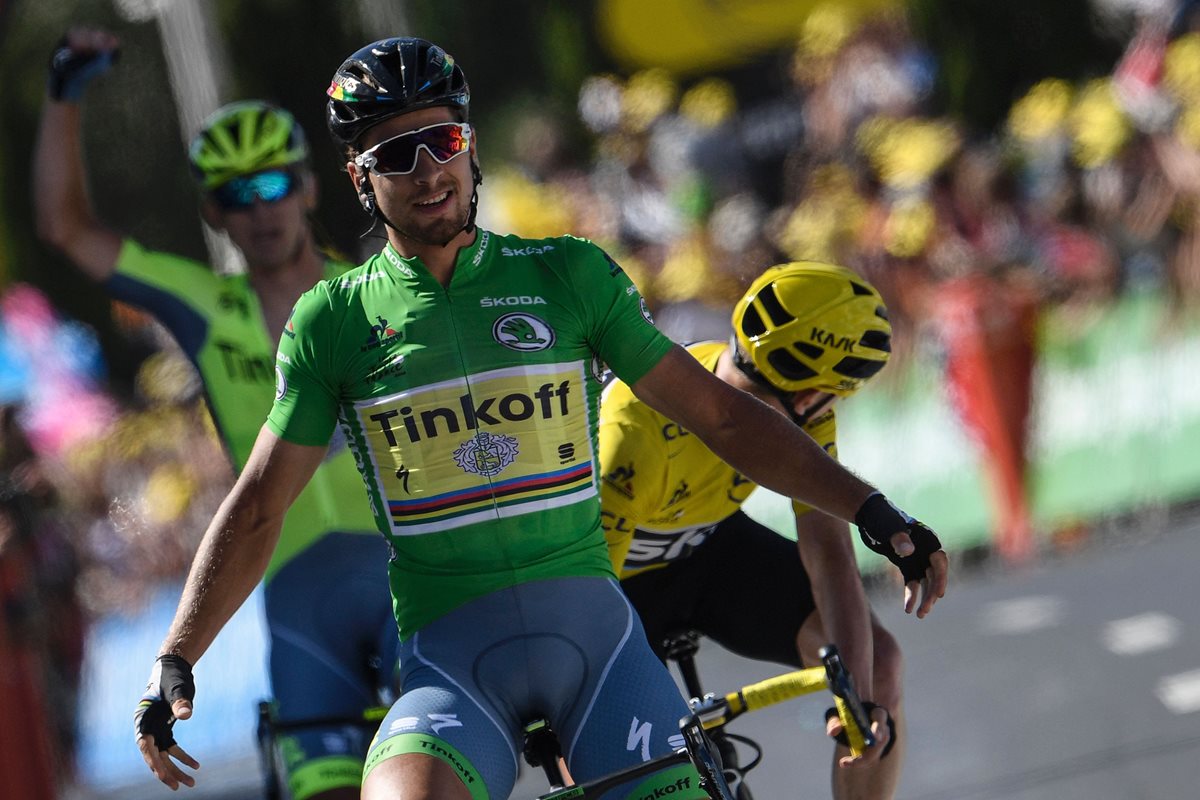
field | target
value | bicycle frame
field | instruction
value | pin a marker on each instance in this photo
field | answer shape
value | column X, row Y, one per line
column 697, row 751
column 270, row 728
column 713, row 713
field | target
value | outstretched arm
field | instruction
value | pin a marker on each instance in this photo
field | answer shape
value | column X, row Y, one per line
column 231, row 561
column 62, row 210
column 750, row 436
column 238, row 544
column 773, row 452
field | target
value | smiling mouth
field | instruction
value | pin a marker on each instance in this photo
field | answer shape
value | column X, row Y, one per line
column 434, row 201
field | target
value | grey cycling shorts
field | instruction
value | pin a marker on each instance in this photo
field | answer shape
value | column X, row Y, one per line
column 569, row 649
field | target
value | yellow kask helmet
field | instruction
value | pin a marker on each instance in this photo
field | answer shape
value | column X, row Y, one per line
column 808, row 325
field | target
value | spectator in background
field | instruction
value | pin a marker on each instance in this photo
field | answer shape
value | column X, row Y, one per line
column 333, row 643
column 41, row 626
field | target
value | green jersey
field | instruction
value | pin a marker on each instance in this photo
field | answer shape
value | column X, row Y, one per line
column 218, row 322
column 472, row 409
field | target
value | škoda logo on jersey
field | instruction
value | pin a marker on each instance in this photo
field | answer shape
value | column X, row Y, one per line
column 524, row 332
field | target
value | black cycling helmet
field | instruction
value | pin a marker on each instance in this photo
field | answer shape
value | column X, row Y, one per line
column 391, row 77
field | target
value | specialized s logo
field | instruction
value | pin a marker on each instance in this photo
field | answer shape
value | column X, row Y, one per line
column 639, row 738
column 523, row 332
column 486, row 453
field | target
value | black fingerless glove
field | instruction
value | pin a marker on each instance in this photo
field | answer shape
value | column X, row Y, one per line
column 868, row 706
column 878, row 520
column 70, row 71
column 170, row 680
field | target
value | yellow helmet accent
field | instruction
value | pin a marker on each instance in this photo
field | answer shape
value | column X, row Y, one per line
column 245, row 137
column 808, row 325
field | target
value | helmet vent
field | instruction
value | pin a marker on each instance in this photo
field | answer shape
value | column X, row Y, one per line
column 789, row 366
column 775, row 310
column 860, row 290
column 876, row 340
column 752, row 324
column 810, row 350
column 881, row 312
column 860, row 368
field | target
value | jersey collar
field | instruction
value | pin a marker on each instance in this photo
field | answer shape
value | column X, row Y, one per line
column 470, row 256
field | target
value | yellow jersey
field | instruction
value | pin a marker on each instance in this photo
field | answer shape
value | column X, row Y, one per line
column 662, row 491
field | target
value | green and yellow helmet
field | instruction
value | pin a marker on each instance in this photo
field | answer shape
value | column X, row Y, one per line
column 245, row 137
column 807, row 325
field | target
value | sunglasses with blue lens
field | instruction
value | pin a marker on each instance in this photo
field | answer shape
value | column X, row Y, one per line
column 269, row 186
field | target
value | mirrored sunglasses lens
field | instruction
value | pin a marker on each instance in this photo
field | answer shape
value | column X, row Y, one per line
column 399, row 156
column 445, row 142
column 395, row 157
column 269, row 187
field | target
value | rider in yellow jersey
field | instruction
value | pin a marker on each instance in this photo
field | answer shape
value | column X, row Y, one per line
column 689, row 558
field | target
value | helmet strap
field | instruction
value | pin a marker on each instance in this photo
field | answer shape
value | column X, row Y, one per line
column 476, row 179
column 747, row 368
column 366, row 197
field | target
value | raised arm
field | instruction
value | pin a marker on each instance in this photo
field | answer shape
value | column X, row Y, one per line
column 62, row 210
column 230, row 562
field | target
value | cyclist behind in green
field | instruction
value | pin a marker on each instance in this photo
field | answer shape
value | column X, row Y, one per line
column 690, row 559
column 333, row 642
column 464, row 368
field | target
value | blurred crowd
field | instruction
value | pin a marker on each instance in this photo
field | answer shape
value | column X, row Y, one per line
column 1089, row 191
column 102, row 498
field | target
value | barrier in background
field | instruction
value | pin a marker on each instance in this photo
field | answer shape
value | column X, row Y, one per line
column 1114, row 426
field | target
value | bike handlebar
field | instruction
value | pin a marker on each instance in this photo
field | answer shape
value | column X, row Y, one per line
column 831, row 675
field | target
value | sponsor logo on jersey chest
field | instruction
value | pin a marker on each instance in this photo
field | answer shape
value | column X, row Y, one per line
column 546, row 402
column 486, row 453
column 523, row 332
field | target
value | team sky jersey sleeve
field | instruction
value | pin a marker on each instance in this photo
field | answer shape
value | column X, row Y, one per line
column 823, row 430
column 634, row 465
column 662, row 489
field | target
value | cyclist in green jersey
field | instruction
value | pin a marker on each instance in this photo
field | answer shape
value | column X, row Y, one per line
column 464, row 367
column 333, row 642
